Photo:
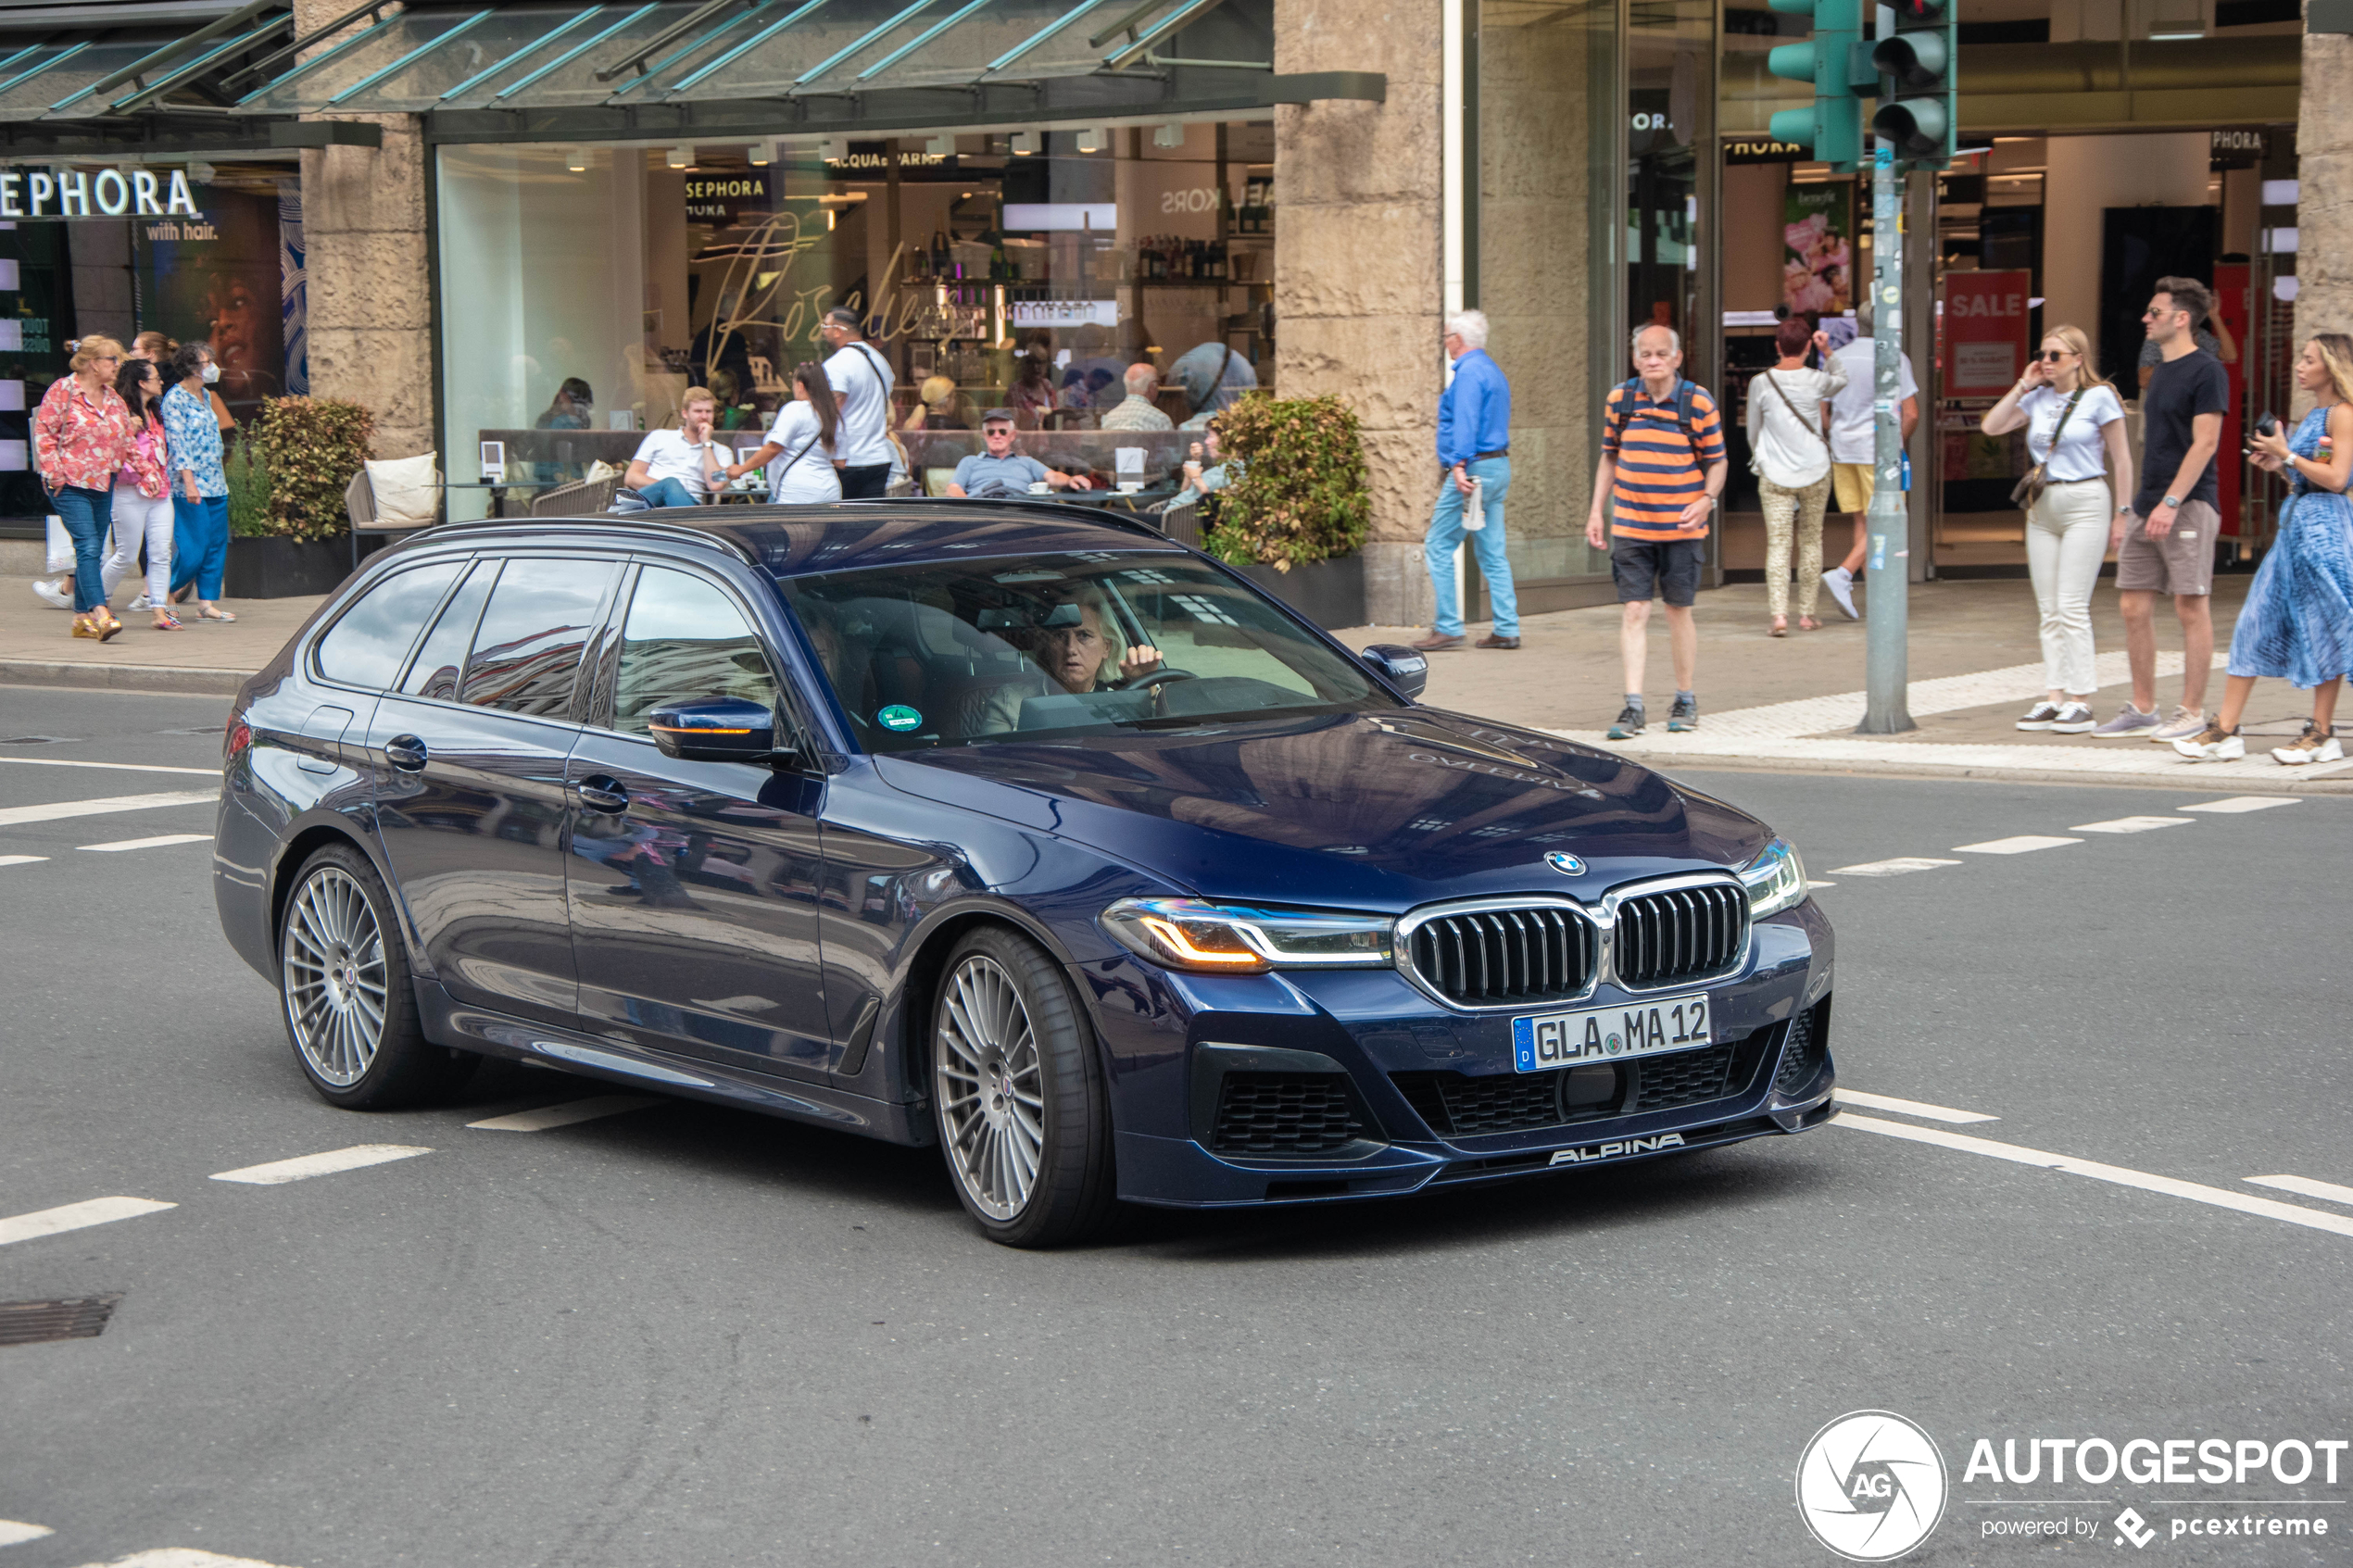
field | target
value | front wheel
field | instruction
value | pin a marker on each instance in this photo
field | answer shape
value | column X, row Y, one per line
column 344, row 974
column 1024, row 1118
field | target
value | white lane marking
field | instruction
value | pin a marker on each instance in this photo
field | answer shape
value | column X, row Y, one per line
column 1897, row 867
column 1912, row 1107
column 12, row 1533
column 110, row 767
column 2134, row 824
column 2196, row 1192
column 156, row 843
column 12, row 815
column 566, row 1114
column 20, row 859
column 2025, row 844
column 2306, row 1187
column 181, row 1557
column 2237, row 804
column 1812, row 883
column 76, row 1216
column 279, row 1171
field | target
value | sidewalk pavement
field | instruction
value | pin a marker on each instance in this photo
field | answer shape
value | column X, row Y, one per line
column 37, row 644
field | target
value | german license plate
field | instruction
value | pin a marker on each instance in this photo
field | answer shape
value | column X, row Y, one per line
column 1546, row 1040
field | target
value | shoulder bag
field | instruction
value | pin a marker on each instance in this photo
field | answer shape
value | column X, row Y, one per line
column 2029, row 490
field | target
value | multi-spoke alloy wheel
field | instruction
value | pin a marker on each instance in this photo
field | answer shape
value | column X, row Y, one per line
column 335, row 977
column 350, row 1009
column 1019, row 1094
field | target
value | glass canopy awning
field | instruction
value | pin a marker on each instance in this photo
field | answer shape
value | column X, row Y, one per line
column 104, row 62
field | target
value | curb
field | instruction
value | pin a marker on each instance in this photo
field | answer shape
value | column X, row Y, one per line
column 164, row 678
column 2291, row 783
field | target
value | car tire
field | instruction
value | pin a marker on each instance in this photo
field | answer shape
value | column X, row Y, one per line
column 1018, row 1095
column 343, row 985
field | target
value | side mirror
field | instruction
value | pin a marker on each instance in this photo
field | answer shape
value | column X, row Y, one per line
column 1400, row 666
column 722, row 729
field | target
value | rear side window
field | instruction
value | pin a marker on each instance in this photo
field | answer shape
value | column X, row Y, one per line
column 527, row 650
column 443, row 658
column 685, row 641
column 365, row 646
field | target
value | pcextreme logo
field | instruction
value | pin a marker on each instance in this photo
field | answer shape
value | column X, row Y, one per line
column 1870, row 1485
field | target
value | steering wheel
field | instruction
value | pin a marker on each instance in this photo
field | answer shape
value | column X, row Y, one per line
column 1151, row 678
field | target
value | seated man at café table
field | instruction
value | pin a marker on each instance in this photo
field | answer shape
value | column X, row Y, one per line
column 678, row 468
column 1137, row 411
column 1000, row 470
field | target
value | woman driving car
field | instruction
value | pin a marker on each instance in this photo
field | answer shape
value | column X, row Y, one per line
column 1076, row 646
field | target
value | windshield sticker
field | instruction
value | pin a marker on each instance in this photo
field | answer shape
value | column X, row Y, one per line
column 900, row 718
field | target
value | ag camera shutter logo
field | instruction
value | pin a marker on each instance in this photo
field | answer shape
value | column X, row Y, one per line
column 1871, row 1485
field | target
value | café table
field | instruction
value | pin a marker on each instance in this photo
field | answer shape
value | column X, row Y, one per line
column 498, row 489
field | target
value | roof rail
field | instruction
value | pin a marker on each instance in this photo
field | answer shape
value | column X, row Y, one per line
column 618, row 522
column 1126, row 522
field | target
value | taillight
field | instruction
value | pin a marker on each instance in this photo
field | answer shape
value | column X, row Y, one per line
column 236, row 740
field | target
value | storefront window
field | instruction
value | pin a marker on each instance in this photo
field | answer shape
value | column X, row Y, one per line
column 1034, row 271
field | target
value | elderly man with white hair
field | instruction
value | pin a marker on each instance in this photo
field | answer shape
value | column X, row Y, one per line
column 1137, row 410
column 1474, row 456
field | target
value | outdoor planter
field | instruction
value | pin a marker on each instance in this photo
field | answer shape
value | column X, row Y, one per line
column 1331, row 592
column 270, row 567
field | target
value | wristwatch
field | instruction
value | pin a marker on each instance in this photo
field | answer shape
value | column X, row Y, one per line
column 2173, row 501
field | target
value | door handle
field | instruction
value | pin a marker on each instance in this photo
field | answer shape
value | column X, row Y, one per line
column 601, row 794
column 406, row 752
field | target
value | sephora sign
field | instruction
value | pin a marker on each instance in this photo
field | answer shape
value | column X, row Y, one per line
column 132, row 190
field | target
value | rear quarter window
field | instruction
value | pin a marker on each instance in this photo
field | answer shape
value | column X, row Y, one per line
column 365, row 646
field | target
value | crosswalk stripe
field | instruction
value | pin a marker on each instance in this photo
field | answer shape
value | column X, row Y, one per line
column 2306, row 1187
column 181, row 1557
column 76, row 1216
column 1912, row 1108
column 13, row 1533
column 156, row 843
column 11, row 816
column 110, row 767
column 277, row 1172
column 566, row 1113
column 2023, row 844
column 1896, row 867
column 2234, row 805
column 22, row 860
column 2134, row 824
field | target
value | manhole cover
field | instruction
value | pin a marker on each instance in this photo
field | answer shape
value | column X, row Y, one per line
column 36, row 1323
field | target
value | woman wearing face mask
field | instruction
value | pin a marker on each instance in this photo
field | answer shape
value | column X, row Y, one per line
column 200, row 490
column 143, row 511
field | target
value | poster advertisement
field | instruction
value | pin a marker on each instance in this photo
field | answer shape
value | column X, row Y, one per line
column 1818, row 235
column 1984, row 336
column 218, row 278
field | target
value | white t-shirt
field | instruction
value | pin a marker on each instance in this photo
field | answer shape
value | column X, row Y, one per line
column 669, row 454
column 862, row 379
column 1852, row 440
column 1787, row 436
column 805, row 470
column 2082, row 454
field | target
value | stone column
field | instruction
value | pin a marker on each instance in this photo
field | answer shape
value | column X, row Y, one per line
column 363, row 218
column 2324, row 193
column 1357, row 263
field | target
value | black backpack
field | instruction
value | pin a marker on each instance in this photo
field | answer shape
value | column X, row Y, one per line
column 1685, row 390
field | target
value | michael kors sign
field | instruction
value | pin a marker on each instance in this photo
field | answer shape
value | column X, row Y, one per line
column 127, row 192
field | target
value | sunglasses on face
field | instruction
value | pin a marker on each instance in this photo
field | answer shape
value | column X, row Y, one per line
column 2052, row 355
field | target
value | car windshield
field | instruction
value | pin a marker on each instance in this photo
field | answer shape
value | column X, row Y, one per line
column 1029, row 647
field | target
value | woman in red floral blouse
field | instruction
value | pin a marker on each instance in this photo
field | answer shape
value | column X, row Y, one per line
column 84, row 432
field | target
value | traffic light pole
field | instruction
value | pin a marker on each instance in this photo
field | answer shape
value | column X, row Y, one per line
column 1887, row 526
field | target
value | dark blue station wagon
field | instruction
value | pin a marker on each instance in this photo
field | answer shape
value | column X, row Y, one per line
column 1009, row 826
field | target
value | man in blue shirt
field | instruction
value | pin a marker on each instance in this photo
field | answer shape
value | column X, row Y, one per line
column 1000, row 470
column 1474, row 444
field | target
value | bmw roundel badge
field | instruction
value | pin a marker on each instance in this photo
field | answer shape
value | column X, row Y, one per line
column 1565, row 864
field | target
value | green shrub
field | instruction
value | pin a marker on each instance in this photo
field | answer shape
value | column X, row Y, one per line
column 1301, row 493
column 310, row 447
column 248, row 492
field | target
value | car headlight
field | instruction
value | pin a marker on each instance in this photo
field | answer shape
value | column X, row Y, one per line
column 1211, row 939
column 1775, row 880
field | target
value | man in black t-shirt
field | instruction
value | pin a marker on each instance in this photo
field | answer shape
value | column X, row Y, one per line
column 2164, row 538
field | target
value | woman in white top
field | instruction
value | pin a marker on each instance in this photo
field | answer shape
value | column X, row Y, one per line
column 2072, row 527
column 807, row 432
column 1788, row 421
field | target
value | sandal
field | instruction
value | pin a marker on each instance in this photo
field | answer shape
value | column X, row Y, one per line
column 84, row 627
column 1807, row 623
column 1780, row 627
column 212, row 612
column 166, row 622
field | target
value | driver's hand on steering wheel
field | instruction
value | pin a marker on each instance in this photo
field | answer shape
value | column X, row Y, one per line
column 1138, row 660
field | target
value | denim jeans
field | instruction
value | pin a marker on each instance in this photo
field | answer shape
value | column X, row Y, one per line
column 1446, row 531
column 668, row 492
column 87, row 514
column 199, row 543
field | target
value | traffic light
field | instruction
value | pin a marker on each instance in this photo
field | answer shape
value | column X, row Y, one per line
column 1922, row 59
column 1833, row 127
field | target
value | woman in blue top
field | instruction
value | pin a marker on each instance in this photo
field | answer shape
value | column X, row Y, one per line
column 2298, row 622
column 199, row 488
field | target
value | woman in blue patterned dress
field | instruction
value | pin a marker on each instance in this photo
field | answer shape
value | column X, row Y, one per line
column 2298, row 622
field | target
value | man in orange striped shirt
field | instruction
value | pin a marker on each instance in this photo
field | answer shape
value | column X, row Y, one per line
column 1663, row 467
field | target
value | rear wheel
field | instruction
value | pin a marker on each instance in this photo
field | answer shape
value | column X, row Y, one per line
column 343, row 974
column 1025, row 1121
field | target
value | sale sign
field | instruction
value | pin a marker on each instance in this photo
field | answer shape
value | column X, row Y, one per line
column 1984, row 332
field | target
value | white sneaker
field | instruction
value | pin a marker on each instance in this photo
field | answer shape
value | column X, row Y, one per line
column 2182, row 726
column 2072, row 718
column 49, row 594
column 1840, row 583
column 139, row 603
column 2212, row 744
column 2312, row 746
column 2039, row 716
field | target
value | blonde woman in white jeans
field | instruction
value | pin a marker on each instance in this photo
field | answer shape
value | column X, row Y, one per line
column 1788, row 409
column 2071, row 528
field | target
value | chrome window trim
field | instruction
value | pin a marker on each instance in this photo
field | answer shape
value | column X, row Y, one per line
column 1602, row 915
